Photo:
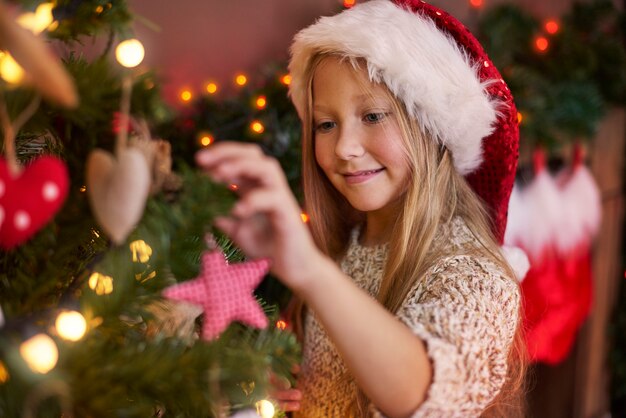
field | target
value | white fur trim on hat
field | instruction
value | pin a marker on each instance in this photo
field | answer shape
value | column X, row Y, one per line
column 421, row 65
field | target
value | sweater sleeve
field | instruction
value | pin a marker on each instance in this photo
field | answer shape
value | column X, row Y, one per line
column 466, row 312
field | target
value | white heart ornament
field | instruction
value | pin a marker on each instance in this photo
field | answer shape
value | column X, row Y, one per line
column 118, row 189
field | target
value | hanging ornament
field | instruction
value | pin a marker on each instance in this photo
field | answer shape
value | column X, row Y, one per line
column 225, row 293
column 30, row 196
column 118, row 186
column 30, row 199
column 562, row 215
column 578, row 225
column 42, row 70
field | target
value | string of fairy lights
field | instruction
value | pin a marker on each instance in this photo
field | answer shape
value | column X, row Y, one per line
column 541, row 44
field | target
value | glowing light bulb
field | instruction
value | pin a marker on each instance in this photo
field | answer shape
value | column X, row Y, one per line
column 257, row 127
column 241, row 80
column 286, row 79
column 10, row 70
column 99, row 9
column 206, row 139
column 43, row 17
column 141, row 251
column 101, row 284
column 28, row 21
column 476, row 3
column 281, row 324
column 40, row 353
column 265, row 408
column 305, row 218
column 211, row 88
column 186, row 95
column 130, row 53
column 261, row 102
column 4, row 373
column 349, row 3
column 541, row 43
column 551, row 27
column 71, row 325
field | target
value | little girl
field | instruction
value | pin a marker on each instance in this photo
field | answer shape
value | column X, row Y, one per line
column 409, row 153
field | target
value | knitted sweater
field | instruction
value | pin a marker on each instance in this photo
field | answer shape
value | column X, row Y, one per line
column 465, row 311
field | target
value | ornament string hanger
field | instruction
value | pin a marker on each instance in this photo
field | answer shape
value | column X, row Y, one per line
column 129, row 54
column 11, row 128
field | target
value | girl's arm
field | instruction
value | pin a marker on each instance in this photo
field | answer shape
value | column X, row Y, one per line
column 387, row 360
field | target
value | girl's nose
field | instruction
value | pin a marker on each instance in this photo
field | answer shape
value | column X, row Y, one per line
column 349, row 144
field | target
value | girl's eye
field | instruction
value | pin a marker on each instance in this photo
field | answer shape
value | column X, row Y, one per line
column 324, row 126
column 374, row 117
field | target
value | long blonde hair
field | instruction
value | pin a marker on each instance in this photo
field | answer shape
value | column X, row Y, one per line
column 436, row 196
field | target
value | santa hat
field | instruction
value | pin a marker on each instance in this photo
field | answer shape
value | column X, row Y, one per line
column 441, row 73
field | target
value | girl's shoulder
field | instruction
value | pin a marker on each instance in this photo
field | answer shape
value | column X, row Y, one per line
column 469, row 277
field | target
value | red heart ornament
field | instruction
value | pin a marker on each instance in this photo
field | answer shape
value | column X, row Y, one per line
column 29, row 200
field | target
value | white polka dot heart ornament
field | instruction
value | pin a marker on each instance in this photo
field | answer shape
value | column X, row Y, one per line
column 30, row 198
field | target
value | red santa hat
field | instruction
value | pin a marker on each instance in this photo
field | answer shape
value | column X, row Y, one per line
column 441, row 73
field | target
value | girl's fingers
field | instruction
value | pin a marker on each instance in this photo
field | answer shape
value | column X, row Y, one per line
column 224, row 151
column 289, row 406
column 258, row 201
column 226, row 225
column 287, row 395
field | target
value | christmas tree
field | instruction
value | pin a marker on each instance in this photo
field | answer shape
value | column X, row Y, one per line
column 106, row 238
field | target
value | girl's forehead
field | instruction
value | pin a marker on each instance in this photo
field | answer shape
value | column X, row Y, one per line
column 334, row 74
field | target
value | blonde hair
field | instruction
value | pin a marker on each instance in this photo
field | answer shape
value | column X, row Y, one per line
column 436, row 196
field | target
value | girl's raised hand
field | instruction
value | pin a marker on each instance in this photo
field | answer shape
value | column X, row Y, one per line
column 266, row 221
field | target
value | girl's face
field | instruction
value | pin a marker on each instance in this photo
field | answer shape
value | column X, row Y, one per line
column 357, row 138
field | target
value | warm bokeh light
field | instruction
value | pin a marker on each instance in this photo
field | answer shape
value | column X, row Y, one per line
column 130, row 53
column 241, row 80
column 476, row 3
column 261, row 102
column 186, row 95
column 4, row 373
column 206, row 139
column 541, row 43
column 141, row 251
column 39, row 21
column 349, row 3
column 99, row 9
column 257, row 127
column 265, row 409
column 304, row 217
column 101, row 284
column 43, row 16
column 71, row 325
column 281, row 324
column 551, row 27
column 211, row 88
column 10, row 70
column 520, row 117
column 233, row 187
column 286, row 79
column 40, row 353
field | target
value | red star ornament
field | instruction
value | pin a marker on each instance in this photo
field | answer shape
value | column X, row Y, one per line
column 225, row 293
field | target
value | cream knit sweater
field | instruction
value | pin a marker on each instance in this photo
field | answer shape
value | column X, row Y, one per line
column 466, row 311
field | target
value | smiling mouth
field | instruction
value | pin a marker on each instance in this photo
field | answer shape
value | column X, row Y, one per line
column 361, row 176
column 363, row 173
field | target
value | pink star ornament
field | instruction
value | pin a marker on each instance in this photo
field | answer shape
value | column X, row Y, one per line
column 225, row 293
